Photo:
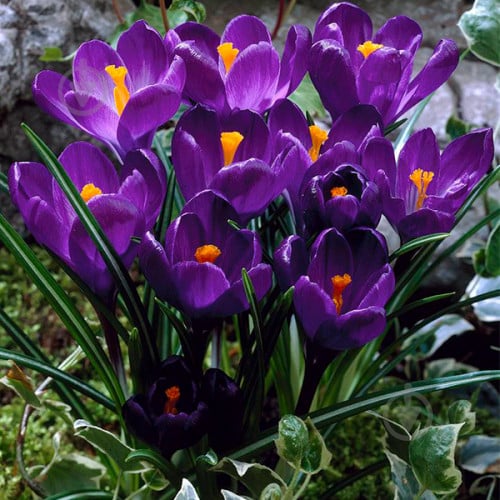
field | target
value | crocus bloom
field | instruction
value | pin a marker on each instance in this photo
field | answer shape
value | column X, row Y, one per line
column 199, row 270
column 339, row 297
column 350, row 65
column 304, row 152
column 241, row 69
column 117, row 96
column 421, row 195
column 125, row 206
column 230, row 157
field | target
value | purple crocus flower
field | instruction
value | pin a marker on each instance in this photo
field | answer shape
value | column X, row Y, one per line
column 307, row 157
column 117, row 96
column 230, row 157
column 349, row 65
column 125, row 206
column 177, row 411
column 340, row 295
column 241, row 69
column 199, row 270
column 421, row 195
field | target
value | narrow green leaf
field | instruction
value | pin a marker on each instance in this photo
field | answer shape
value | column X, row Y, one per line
column 394, row 126
column 80, row 494
column 481, row 26
column 336, row 413
column 56, row 374
column 4, row 185
column 419, row 242
column 63, row 306
column 152, row 457
column 432, row 452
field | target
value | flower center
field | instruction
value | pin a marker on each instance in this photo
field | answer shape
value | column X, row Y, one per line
column 120, row 92
column 230, row 142
column 228, row 54
column 173, row 395
column 207, row 253
column 89, row 191
column 369, row 47
column 338, row 191
column 318, row 137
column 421, row 179
column 339, row 284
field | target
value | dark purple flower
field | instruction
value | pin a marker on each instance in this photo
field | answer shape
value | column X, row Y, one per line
column 340, row 296
column 171, row 416
column 241, row 69
column 230, row 157
column 421, row 195
column 349, row 65
column 118, row 96
column 199, row 270
column 325, row 185
column 125, row 206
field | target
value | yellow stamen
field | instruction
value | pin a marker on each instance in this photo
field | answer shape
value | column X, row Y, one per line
column 369, row 47
column 173, row 395
column 120, row 92
column 230, row 142
column 207, row 253
column 338, row 191
column 228, row 54
column 339, row 284
column 89, row 191
column 421, row 179
column 318, row 136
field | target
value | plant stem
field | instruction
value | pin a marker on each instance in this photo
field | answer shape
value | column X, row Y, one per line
column 279, row 19
column 117, row 11
column 164, row 16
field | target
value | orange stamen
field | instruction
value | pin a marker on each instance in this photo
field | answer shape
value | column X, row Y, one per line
column 207, row 253
column 228, row 54
column 120, row 92
column 318, row 136
column 89, row 191
column 173, row 395
column 338, row 191
column 339, row 284
column 230, row 142
column 368, row 48
column 421, row 179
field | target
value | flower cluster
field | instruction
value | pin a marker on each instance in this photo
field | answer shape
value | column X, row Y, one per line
column 241, row 151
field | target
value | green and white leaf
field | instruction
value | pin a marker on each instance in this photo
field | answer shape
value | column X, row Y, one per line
column 187, row 491
column 316, row 455
column 254, row 476
column 480, row 453
column 460, row 412
column 109, row 444
column 432, row 452
column 486, row 310
column 293, row 439
column 481, row 26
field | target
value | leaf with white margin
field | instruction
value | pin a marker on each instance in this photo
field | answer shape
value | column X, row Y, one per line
column 487, row 310
column 432, row 452
column 480, row 453
column 443, row 329
column 109, row 444
column 229, row 495
column 187, row 491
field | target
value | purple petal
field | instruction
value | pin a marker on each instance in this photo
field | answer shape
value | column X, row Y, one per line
column 150, row 66
column 290, row 261
column 312, row 305
column 145, row 111
column 205, row 40
column 330, row 256
column 341, row 212
column 378, row 155
column 203, row 80
column 89, row 73
column 332, row 74
column 351, row 330
column 49, row 89
column 438, row 69
column 379, row 293
column 355, row 125
column 423, row 222
column 244, row 31
column 251, row 81
column 400, row 33
column 285, row 116
column 184, row 236
column 294, row 60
